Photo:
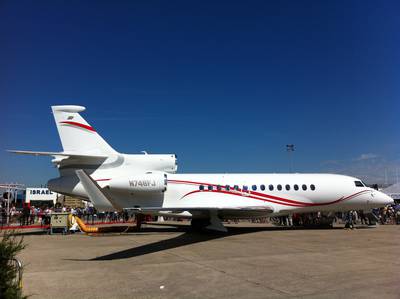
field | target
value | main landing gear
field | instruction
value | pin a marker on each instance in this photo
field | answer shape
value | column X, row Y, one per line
column 139, row 221
column 199, row 224
column 212, row 223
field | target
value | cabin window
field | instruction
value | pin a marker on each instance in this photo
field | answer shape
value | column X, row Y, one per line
column 359, row 184
column 271, row 187
column 287, row 187
column 296, row 187
column 262, row 187
column 236, row 187
column 227, row 187
column 312, row 187
column 254, row 187
column 245, row 188
column 279, row 187
column 304, row 187
column 210, row 187
column 219, row 187
column 201, row 187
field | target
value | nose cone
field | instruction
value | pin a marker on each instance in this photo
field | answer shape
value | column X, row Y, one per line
column 384, row 199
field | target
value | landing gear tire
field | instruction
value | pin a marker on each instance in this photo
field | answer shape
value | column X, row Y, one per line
column 139, row 221
column 199, row 224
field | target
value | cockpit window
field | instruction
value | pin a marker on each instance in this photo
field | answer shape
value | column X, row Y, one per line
column 359, row 184
column 365, row 184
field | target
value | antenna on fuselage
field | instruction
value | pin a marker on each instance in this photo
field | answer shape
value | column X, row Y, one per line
column 290, row 150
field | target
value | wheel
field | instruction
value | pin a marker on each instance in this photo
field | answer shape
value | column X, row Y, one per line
column 139, row 220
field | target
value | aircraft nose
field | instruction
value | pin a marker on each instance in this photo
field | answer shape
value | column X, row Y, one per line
column 385, row 199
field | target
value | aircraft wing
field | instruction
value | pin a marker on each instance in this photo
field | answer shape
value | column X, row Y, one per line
column 223, row 212
column 99, row 197
column 103, row 201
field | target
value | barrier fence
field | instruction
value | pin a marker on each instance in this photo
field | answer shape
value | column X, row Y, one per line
column 43, row 220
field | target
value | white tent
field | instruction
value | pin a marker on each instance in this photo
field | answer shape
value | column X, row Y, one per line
column 393, row 191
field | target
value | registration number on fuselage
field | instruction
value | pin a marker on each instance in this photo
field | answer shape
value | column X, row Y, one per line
column 142, row 183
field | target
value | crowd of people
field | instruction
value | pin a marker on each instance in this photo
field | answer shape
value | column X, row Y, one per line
column 387, row 215
column 30, row 215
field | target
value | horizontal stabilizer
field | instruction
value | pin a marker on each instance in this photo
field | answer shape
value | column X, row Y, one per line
column 64, row 154
column 97, row 196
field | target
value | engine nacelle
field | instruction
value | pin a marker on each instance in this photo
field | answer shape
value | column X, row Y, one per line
column 154, row 162
column 148, row 182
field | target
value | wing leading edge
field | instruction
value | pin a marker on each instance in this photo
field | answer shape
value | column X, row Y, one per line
column 65, row 158
column 55, row 154
column 199, row 212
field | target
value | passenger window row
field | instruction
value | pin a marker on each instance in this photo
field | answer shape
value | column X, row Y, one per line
column 245, row 188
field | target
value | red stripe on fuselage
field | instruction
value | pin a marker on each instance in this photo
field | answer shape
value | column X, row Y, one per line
column 243, row 195
column 262, row 196
column 289, row 201
column 83, row 126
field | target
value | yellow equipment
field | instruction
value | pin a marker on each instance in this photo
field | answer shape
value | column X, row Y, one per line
column 103, row 229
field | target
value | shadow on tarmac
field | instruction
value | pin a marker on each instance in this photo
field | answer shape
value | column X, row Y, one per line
column 186, row 238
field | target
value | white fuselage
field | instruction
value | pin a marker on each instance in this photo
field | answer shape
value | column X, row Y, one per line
column 282, row 193
column 91, row 169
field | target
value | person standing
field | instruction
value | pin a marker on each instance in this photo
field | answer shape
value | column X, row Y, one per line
column 349, row 220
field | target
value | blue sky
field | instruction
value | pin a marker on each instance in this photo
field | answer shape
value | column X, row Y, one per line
column 224, row 84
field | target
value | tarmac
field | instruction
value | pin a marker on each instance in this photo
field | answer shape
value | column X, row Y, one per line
column 250, row 261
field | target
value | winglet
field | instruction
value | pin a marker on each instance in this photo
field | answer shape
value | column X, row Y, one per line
column 96, row 195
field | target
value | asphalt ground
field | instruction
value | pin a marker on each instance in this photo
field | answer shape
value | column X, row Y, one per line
column 251, row 261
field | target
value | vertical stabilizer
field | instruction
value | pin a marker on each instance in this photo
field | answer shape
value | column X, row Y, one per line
column 76, row 134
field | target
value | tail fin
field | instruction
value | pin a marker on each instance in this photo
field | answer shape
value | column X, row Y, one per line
column 76, row 134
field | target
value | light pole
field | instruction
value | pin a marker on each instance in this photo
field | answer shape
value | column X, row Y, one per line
column 290, row 150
